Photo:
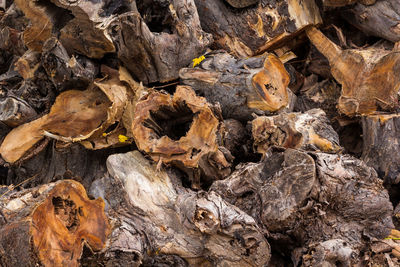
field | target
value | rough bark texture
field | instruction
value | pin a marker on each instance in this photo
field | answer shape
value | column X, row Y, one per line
column 241, row 87
column 252, row 30
column 166, row 36
column 323, row 95
column 153, row 214
column 308, row 131
column 381, row 145
column 84, row 81
column 380, row 19
column 331, row 197
column 50, row 224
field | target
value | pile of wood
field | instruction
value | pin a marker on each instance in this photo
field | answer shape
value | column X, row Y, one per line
column 199, row 133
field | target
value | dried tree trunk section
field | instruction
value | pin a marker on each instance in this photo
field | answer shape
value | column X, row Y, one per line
column 241, row 87
column 271, row 191
column 181, row 130
column 158, row 38
column 307, row 131
column 250, row 31
column 382, row 144
column 49, row 225
column 381, row 19
column 154, row 215
column 76, row 116
column 305, row 202
column 370, row 78
column 80, row 24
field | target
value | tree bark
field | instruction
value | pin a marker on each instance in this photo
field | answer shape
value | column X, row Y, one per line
column 166, row 41
column 331, row 197
column 253, row 30
column 381, row 143
column 241, row 87
column 380, row 19
column 168, row 219
column 308, row 131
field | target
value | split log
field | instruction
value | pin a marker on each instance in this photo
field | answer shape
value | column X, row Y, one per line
column 381, row 145
column 158, row 38
column 303, row 201
column 80, row 24
column 153, row 214
column 50, row 224
column 253, row 30
column 76, row 116
column 369, row 77
column 181, row 130
column 241, row 87
column 381, row 19
column 307, row 131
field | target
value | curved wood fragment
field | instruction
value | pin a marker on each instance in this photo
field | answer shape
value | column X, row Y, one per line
column 76, row 116
column 80, row 25
column 50, row 224
column 241, row 87
column 370, row 78
column 179, row 129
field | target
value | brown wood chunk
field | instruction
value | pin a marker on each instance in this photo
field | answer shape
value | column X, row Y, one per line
column 58, row 218
column 370, row 78
column 255, row 29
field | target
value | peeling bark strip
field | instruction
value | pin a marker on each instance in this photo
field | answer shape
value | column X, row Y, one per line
column 241, row 87
column 154, row 215
column 180, row 130
column 370, row 78
column 155, row 40
column 382, row 144
column 253, row 30
column 381, row 19
column 59, row 218
column 308, row 131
